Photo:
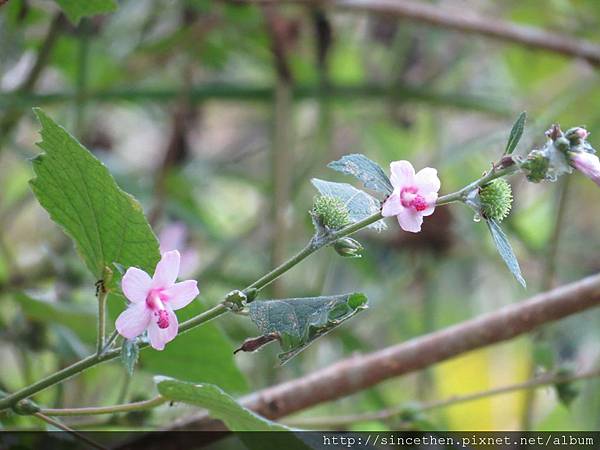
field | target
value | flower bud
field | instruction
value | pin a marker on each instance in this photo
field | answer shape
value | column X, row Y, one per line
column 235, row 300
column 348, row 248
column 330, row 212
column 25, row 407
column 496, row 199
column 577, row 134
column 536, row 166
column 588, row 164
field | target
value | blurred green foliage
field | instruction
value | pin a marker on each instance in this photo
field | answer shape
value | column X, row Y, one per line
column 177, row 99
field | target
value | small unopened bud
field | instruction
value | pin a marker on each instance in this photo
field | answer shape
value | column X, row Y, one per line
column 577, row 134
column 348, row 248
column 562, row 144
column 536, row 166
column 25, row 407
column 331, row 212
column 235, row 300
column 250, row 294
column 496, row 199
column 554, row 132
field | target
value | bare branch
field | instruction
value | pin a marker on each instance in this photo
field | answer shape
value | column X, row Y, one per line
column 388, row 413
column 363, row 371
column 466, row 23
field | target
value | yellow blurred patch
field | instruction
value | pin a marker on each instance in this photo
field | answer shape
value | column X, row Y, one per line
column 479, row 371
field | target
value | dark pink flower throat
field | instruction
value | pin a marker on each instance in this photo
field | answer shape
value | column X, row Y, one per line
column 410, row 199
column 163, row 319
column 155, row 302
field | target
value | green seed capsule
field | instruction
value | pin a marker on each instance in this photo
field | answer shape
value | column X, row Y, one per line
column 496, row 199
column 331, row 212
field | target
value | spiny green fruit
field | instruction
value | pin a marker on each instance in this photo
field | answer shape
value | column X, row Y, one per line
column 331, row 212
column 496, row 199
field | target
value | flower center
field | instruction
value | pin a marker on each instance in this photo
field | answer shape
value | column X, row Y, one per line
column 155, row 301
column 163, row 319
column 410, row 199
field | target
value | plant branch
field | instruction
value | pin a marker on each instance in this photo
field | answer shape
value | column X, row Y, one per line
column 102, row 295
column 363, row 371
column 486, row 178
column 113, row 336
column 240, row 93
column 13, row 114
column 97, row 410
column 315, row 244
column 492, row 27
column 62, row 426
column 340, row 421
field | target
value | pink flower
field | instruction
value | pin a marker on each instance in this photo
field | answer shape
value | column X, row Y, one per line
column 414, row 195
column 588, row 164
column 174, row 236
column 153, row 301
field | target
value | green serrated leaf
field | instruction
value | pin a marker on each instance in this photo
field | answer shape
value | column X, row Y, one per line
column 129, row 355
column 300, row 321
column 367, row 171
column 505, row 250
column 219, row 404
column 359, row 203
column 76, row 9
column 515, row 133
column 107, row 224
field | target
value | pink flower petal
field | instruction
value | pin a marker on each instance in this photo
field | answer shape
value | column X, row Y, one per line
column 430, row 198
column 427, row 180
column 392, row 205
column 161, row 336
column 402, row 174
column 588, row 164
column 136, row 284
column 181, row 294
column 166, row 270
column 133, row 321
column 410, row 220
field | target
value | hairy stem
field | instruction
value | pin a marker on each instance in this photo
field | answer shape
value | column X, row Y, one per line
column 114, row 335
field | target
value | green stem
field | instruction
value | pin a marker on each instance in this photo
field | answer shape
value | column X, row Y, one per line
column 461, row 195
column 96, row 359
column 218, row 310
column 239, row 93
column 102, row 295
column 97, row 410
column 204, row 317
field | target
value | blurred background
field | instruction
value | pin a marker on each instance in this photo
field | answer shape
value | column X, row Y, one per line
column 215, row 115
